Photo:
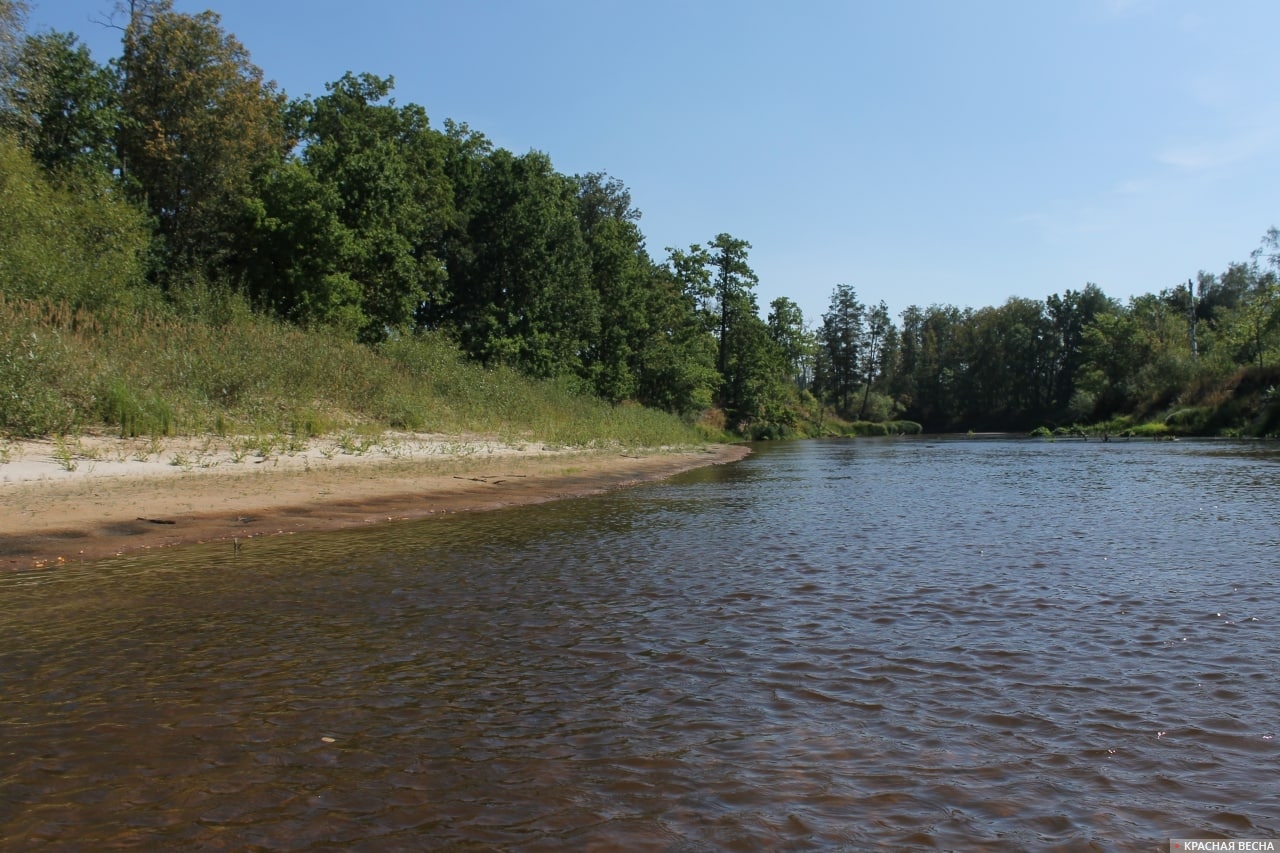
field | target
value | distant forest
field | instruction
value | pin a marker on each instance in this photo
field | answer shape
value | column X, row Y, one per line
column 178, row 170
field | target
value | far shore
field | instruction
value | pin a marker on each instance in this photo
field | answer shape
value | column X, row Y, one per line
column 94, row 497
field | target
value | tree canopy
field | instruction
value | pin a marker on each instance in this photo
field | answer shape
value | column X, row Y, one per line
column 181, row 163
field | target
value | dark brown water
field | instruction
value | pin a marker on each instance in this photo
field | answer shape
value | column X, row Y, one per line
column 907, row 644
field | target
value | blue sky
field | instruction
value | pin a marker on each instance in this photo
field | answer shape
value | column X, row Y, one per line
column 923, row 151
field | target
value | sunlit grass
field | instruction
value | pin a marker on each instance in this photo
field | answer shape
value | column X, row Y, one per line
column 160, row 374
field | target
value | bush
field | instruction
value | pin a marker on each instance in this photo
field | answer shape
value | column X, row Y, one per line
column 1148, row 430
column 31, row 367
column 1189, row 419
column 77, row 244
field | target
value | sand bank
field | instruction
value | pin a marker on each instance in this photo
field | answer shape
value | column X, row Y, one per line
column 90, row 498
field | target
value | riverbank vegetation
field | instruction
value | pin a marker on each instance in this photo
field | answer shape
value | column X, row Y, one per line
column 186, row 248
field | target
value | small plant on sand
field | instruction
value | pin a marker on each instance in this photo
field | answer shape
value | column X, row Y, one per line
column 354, row 445
column 239, row 448
column 64, row 455
column 264, row 446
column 154, row 447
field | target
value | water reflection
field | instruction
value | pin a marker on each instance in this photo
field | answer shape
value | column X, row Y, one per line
column 870, row 644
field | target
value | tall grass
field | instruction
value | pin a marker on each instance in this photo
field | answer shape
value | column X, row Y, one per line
column 235, row 371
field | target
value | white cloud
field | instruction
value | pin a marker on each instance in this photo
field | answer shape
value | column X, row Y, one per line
column 1218, row 153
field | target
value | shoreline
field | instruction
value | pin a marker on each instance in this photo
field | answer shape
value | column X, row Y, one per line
column 99, row 497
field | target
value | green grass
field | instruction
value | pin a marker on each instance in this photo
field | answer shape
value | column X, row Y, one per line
column 872, row 428
column 158, row 373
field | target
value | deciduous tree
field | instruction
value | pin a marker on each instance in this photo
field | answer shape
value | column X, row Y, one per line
column 522, row 295
column 620, row 274
column 384, row 165
column 63, row 105
column 200, row 121
column 795, row 342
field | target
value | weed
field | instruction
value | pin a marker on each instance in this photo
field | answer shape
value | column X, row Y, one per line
column 239, row 449
column 64, row 455
column 354, row 445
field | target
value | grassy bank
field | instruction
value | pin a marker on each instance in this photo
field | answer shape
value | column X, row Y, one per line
column 212, row 365
column 1242, row 403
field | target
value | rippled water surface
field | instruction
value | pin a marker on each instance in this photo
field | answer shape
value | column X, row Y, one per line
column 872, row 644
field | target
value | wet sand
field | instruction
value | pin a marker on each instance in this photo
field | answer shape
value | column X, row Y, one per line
column 98, row 498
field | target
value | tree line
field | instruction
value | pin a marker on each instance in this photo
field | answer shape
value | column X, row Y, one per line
column 351, row 213
column 1079, row 357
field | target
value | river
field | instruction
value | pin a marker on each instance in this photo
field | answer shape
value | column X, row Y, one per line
column 867, row 644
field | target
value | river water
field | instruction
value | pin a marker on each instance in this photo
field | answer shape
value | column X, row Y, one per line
column 868, row 644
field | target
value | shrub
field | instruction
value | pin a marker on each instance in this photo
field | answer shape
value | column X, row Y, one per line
column 77, row 244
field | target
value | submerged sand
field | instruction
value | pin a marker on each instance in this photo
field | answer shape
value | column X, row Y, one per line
column 94, row 497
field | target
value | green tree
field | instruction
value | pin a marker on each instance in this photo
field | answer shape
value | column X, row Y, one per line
column 755, row 384
column 692, row 270
column 795, row 342
column 465, row 153
column 199, row 124
column 733, row 282
column 1164, row 335
column 521, row 295
column 876, row 339
column 63, row 105
column 302, row 254
column 380, row 175
column 1261, row 316
column 841, row 335
column 677, row 357
column 1005, row 365
column 620, row 274
column 932, row 363
column 1114, row 351
column 66, row 241
column 13, row 17
column 1069, row 315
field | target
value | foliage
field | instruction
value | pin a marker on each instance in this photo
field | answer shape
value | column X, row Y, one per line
column 13, row 16
column 842, row 335
column 74, row 240
column 32, row 357
column 199, row 123
column 374, row 189
column 62, row 106
column 732, row 282
column 313, row 253
column 523, row 297
column 159, row 373
column 794, row 342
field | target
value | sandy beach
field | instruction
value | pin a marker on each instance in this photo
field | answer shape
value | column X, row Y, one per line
column 92, row 497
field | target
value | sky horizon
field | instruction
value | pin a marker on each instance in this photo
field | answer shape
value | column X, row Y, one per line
column 922, row 151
